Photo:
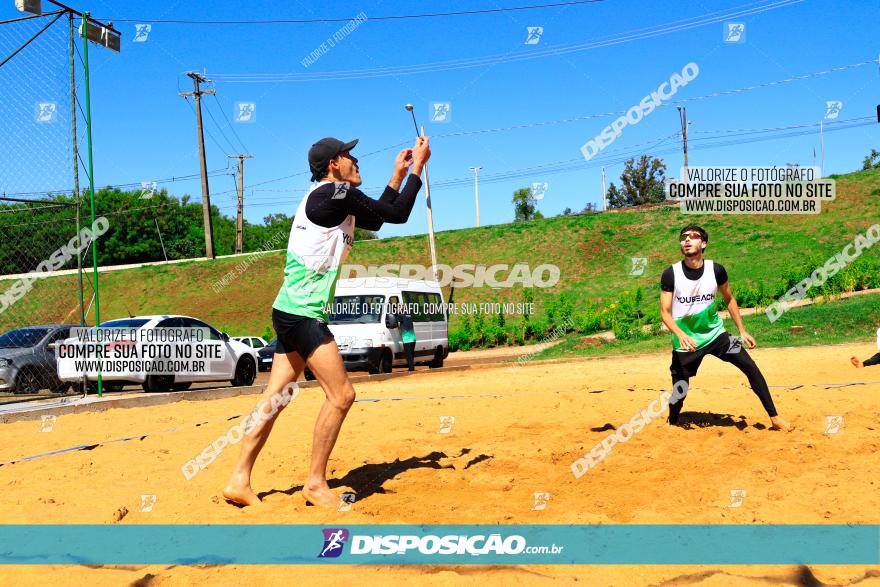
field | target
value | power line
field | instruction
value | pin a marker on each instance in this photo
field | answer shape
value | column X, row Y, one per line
column 747, row 131
column 213, row 173
column 216, row 142
column 610, row 158
column 553, row 122
column 385, row 17
column 118, row 213
column 229, row 124
column 717, row 94
column 576, row 164
column 720, row 93
column 219, row 128
column 491, row 60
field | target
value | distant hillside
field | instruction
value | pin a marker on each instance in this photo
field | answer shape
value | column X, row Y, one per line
column 593, row 252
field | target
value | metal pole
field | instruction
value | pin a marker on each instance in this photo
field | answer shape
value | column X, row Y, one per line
column 822, row 139
column 76, row 194
column 476, row 171
column 430, row 220
column 604, row 193
column 91, row 180
column 29, row 41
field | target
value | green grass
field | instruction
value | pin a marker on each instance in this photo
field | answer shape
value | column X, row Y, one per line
column 592, row 251
column 841, row 321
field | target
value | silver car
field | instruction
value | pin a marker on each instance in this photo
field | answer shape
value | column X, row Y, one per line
column 27, row 363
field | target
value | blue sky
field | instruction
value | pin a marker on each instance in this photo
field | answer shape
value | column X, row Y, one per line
column 143, row 130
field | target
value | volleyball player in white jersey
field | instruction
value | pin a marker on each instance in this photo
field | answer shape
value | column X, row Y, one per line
column 320, row 239
column 687, row 307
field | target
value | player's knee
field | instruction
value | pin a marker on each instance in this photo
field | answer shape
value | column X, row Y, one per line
column 344, row 398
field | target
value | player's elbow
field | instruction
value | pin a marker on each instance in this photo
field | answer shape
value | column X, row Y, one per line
column 397, row 218
column 370, row 225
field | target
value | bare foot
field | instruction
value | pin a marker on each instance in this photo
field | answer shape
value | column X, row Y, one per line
column 320, row 496
column 241, row 495
column 855, row 362
column 780, row 424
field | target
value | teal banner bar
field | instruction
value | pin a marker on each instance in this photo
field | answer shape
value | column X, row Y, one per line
column 440, row 544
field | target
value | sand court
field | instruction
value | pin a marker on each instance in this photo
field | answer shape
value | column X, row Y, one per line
column 474, row 447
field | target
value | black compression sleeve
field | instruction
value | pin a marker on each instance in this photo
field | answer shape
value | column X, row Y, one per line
column 325, row 210
column 667, row 280
column 372, row 221
column 395, row 210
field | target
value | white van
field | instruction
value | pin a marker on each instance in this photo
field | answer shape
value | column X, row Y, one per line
column 363, row 321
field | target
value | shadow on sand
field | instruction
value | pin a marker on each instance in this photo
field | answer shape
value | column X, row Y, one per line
column 367, row 480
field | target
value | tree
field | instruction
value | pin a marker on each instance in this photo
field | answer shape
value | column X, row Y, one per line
column 524, row 205
column 642, row 183
column 614, row 197
column 872, row 161
column 567, row 212
column 590, row 208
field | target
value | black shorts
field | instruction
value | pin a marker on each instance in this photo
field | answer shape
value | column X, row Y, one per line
column 299, row 334
column 685, row 364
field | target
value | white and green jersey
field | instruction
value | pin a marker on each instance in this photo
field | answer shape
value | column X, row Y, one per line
column 693, row 306
column 314, row 257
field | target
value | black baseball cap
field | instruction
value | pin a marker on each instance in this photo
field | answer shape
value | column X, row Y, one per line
column 323, row 152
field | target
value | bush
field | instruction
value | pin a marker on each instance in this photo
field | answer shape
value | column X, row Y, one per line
column 559, row 310
column 458, row 340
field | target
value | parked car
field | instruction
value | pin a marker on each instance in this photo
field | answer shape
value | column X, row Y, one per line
column 239, row 365
column 265, row 356
column 369, row 337
column 255, row 342
column 27, row 363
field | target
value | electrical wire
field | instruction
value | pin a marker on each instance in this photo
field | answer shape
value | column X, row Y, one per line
column 213, row 173
column 220, row 129
column 206, row 131
column 385, row 17
column 491, row 60
column 229, row 124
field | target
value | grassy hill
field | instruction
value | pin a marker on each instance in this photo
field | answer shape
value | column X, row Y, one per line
column 762, row 254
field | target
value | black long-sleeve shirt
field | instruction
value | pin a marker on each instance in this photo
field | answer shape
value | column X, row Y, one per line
column 324, row 209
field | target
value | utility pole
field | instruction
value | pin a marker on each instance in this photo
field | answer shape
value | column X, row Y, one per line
column 683, row 113
column 239, row 223
column 206, row 195
column 604, row 193
column 822, row 140
column 476, row 171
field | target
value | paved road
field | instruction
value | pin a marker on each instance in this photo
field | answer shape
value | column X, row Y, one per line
column 14, row 403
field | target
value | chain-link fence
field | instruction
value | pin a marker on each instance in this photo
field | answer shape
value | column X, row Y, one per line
column 42, row 255
column 40, row 252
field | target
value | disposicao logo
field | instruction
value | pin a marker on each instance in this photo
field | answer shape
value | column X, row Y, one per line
column 334, row 542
